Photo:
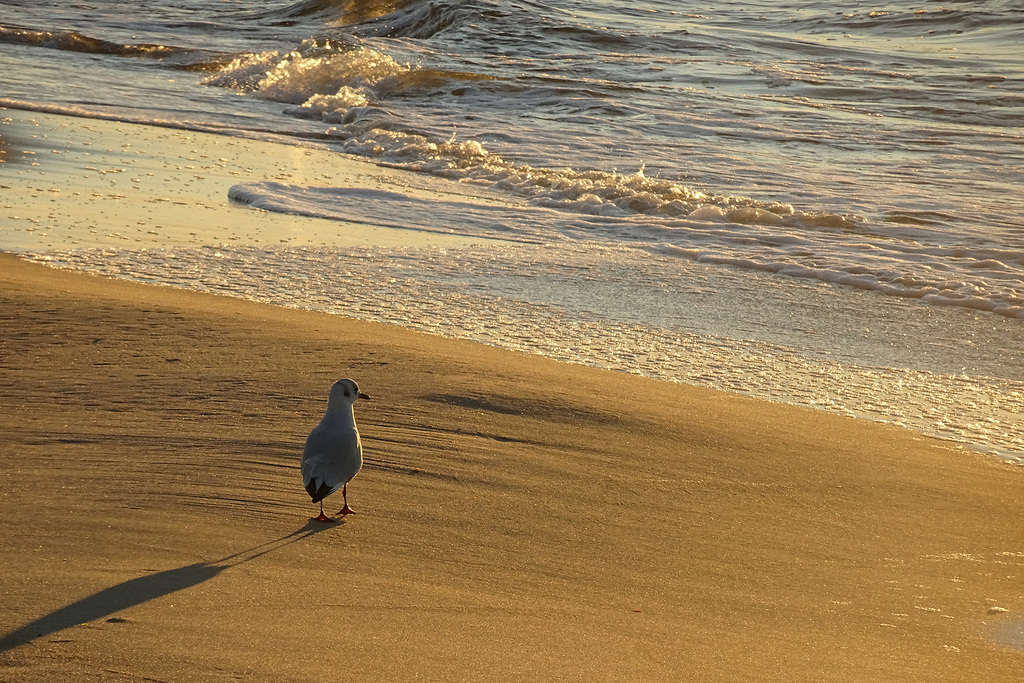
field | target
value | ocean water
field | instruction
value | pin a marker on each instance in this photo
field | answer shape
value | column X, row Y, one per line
column 799, row 200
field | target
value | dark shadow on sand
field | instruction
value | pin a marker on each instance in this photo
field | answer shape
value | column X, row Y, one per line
column 145, row 588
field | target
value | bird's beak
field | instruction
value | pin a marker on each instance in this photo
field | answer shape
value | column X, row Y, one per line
column 362, row 395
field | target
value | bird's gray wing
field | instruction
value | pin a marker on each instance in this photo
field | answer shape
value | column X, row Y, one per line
column 332, row 457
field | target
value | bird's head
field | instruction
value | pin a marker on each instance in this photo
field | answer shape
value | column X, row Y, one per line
column 346, row 391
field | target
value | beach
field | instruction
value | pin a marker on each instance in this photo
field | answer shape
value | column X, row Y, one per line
column 517, row 517
column 692, row 341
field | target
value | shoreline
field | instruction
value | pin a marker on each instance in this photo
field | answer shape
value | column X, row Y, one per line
column 145, row 192
column 517, row 516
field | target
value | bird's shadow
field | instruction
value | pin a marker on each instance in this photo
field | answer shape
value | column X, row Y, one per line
column 145, row 588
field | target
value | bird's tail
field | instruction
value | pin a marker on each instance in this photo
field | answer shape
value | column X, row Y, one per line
column 318, row 493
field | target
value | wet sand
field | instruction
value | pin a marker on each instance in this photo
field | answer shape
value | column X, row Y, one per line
column 74, row 182
column 517, row 517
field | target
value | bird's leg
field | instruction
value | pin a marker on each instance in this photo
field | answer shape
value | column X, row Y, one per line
column 323, row 517
column 344, row 496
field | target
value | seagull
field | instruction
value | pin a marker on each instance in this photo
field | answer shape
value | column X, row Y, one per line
column 333, row 454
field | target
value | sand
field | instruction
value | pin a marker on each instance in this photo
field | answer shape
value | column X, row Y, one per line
column 517, row 518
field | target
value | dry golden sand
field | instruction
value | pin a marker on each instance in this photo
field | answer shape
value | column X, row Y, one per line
column 518, row 519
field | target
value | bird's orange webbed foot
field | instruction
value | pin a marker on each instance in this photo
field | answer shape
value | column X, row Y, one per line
column 322, row 517
column 346, row 511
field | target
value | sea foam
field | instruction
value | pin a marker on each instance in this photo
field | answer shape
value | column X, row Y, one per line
column 787, row 242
